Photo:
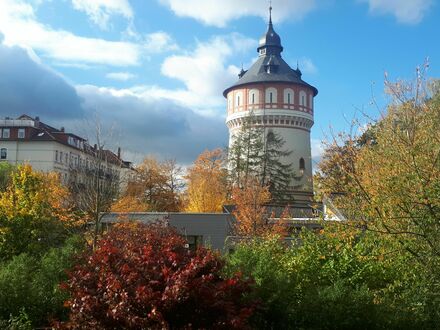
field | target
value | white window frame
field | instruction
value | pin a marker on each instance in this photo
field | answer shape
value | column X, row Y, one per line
column 21, row 133
column 6, row 133
column 4, row 151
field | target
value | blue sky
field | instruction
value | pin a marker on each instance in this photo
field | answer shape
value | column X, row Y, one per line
column 152, row 72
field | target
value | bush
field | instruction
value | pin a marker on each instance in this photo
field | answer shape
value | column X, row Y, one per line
column 29, row 285
column 143, row 277
column 338, row 279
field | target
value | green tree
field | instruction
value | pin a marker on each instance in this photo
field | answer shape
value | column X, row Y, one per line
column 29, row 284
column 259, row 153
column 5, row 175
column 392, row 185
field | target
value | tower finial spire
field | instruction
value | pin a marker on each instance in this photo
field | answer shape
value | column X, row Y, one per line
column 270, row 11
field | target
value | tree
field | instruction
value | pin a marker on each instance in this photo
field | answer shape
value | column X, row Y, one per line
column 36, row 194
column 29, row 284
column 251, row 216
column 144, row 277
column 274, row 171
column 394, row 183
column 95, row 185
column 207, row 183
column 157, row 186
column 5, row 175
column 245, row 153
column 255, row 153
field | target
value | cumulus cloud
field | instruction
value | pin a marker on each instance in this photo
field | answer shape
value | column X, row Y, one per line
column 100, row 11
column 27, row 86
column 405, row 11
column 154, row 125
column 158, row 42
column 143, row 124
column 20, row 27
column 121, row 76
column 204, row 71
column 220, row 12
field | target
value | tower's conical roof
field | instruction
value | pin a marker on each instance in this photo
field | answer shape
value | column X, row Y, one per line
column 270, row 66
column 271, row 41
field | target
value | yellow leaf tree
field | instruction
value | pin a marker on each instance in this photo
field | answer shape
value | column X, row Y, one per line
column 207, row 186
column 35, row 194
column 251, row 216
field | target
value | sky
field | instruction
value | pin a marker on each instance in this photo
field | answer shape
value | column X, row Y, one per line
column 152, row 72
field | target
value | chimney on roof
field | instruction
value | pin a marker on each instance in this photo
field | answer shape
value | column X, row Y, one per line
column 119, row 152
column 62, row 129
column 37, row 121
column 95, row 147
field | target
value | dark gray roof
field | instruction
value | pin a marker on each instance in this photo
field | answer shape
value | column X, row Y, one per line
column 270, row 66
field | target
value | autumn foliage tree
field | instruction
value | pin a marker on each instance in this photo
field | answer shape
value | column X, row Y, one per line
column 156, row 187
column 35, row 213
column 391, row 177
column 251, row 214
column 207, row 182
column 37, row 194
column 143, row 277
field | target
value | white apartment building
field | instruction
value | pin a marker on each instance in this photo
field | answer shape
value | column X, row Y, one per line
column 47, row 149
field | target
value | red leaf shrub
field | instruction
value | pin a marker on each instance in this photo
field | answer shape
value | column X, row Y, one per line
column 143, row 277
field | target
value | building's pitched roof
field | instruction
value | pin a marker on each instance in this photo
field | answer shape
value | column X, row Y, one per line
column 40, row 131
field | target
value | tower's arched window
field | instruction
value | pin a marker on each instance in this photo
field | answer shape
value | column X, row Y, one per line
column 311, row 101
column 253, row 96
column 302, row 164
column 271, row 95
column 288, row 96
column 238, row 98
column 303, row 98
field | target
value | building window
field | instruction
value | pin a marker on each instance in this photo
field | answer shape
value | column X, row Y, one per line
column 56, row 155
column 303, row 98
column 67, row 159
column 253, row 98
column 61, row 156
column 302, row 164
column 6, row 133
column 288, row 98
column 3, row 153
column 194, row 242
column 238, row 100
column 21, row 132
column 271, row 95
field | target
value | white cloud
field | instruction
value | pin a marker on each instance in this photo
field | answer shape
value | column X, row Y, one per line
column 405, row 11
column 317, row 148
column 204, row 71
column 99, row 11
column 306, row 65
column 220, row 12
column 158, row 42
column 20, row 27
column 154, row 124
column 121, row 76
